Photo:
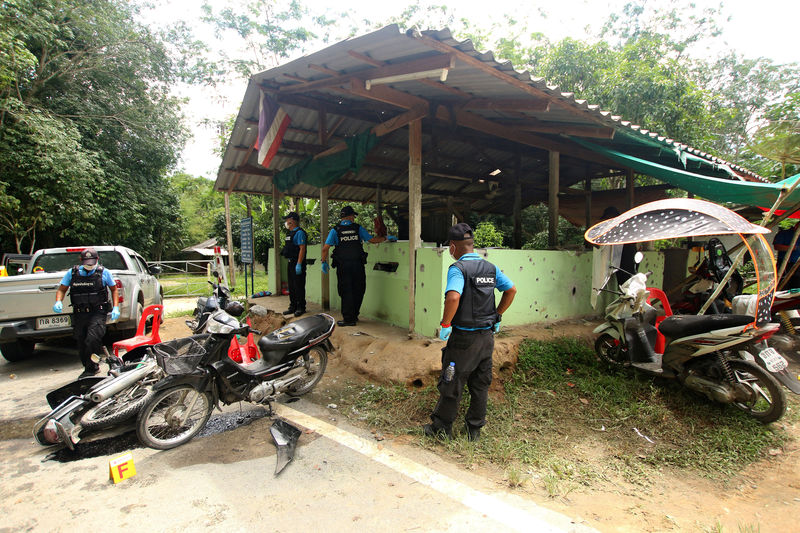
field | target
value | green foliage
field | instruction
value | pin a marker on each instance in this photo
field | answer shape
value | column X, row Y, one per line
column 487, row 236
column 779, row 139
column 88, row 129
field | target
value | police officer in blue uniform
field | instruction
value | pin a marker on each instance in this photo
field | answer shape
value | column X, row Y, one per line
column 349, row 259
column 89, row 285
column 469, row 322
column 294, row 249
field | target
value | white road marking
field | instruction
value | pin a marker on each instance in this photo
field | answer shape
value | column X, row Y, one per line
column 492, row 507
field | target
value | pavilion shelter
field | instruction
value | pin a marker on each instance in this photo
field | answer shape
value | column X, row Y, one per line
column 435, row 131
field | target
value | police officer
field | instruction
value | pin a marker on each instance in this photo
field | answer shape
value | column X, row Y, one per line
column 469, row 322
column 294, row 249
column 88, row 285
column 349, row 259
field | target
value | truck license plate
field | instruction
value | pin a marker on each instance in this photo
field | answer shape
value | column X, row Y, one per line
column 773, row 360
column 49, row 322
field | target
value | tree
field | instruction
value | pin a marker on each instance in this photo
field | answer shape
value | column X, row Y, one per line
column 88, row 129
column 779, row 139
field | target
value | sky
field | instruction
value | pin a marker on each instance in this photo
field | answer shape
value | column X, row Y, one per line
column 763, row 28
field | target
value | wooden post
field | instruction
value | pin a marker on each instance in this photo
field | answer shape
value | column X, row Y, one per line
column 629, row 184
column 232, row 279
column 552, row 199
column 517, row 209
column 414, row 213
column 587, row 190
column 276, row 240
column 323, row 231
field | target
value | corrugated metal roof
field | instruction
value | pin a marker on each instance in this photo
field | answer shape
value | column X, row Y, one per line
column 468, row 155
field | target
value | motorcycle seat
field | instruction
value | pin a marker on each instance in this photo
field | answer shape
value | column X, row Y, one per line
column 296, row 334
column 685, row 325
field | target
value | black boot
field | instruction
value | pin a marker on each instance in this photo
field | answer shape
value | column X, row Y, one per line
column 431, row 430
column 289, row 311
column 473, row 433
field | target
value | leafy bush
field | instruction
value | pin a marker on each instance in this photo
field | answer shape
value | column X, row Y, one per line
column 487, row 236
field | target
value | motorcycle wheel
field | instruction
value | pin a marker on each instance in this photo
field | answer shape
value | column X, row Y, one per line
column 768, row 401
column 117, row 408
column 173, row 417
column 610, row 350
column 314, row 367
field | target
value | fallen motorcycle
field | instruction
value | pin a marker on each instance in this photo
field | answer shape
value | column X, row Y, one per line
column 200, row 374
column 699, row 351
column 97, row 403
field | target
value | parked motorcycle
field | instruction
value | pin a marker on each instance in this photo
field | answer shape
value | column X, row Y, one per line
column 200, row 374
column 700, row 351
column 206, row 306
column 98, row 403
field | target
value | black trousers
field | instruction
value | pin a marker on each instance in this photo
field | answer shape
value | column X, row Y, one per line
column 352, row 284
column 297, row 288
column 88, row 330
column 472, row 353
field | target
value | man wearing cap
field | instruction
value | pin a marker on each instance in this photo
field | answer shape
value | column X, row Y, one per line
column 294, row 249
column 469, row 322
column 88, row 285
column 349, row 259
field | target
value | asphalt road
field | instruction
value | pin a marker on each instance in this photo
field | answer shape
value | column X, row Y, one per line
column 341, row 479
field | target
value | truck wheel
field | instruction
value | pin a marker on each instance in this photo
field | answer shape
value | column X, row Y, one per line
column 17, row 351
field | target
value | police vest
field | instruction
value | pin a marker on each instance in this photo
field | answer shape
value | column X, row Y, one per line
column 290, row 250
column 87, row 293
column 349, row 248
column 476, row 308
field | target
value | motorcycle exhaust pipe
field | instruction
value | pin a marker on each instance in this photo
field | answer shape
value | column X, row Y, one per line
column 121, row 383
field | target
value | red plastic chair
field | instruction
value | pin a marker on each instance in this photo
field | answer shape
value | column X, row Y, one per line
column 658, row 294
column 141, row 338
column 246, row 353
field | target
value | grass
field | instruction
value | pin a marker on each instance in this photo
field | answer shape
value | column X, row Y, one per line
column 180, row 284
column 570, row 420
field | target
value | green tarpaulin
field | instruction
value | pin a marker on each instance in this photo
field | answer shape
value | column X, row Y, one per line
column 716, row 189
column 326, row 170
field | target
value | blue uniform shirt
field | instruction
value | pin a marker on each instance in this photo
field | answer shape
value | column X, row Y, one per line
column 455, row 280
column 300, row 237
column 108, row 280
column 333, row 237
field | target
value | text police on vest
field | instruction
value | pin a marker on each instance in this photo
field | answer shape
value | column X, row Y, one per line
column 349, row 238
column 484, row 280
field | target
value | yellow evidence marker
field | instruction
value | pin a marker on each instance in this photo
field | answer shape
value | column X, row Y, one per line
column 121, row 467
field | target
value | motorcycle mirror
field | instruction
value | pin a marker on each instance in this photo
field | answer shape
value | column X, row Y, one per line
column 638, row 257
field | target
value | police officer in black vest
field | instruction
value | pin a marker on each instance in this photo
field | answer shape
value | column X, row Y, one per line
column 88, row 284
column 469, row 322
column 349, row 259
column 294, row 249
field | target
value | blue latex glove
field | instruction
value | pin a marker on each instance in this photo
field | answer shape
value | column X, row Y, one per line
column 115, row 313
column 58, row 307
column 391, row 238
column 298, row 269
column 444, row 333
column 325, row 268
column 496, row 327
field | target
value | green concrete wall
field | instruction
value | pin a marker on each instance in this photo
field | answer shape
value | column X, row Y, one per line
column 551, row 285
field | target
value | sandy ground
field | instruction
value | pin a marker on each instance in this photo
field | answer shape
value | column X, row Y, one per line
column 213, row 482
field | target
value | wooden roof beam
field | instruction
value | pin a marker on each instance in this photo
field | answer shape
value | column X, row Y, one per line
column 504, row 76
column 508, row 104
column 436, row 62
column 475, row 122
column 575, row 130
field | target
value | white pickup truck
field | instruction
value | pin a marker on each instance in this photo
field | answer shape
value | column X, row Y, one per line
column 26, row 301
